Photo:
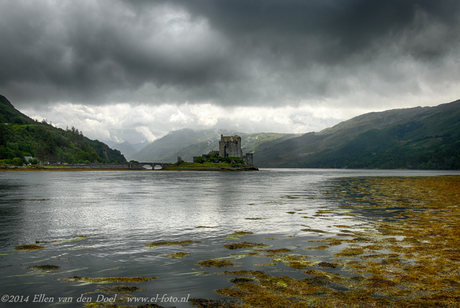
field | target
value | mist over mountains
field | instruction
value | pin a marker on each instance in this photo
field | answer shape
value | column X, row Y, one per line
column 421, row 137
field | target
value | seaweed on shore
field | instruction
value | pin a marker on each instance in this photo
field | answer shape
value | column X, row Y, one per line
column 45, row 267
column 408, row 257
column 120, row 289
column 172, row 243
column 244, row 245
column 177, row 255
column 29, row 247
column 216, row 263
column 237, row 235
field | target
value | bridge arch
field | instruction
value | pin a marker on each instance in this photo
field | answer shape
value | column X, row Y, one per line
column 153, row 166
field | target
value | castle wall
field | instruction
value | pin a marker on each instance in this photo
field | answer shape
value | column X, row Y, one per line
column 249, row 158
column 230, row 146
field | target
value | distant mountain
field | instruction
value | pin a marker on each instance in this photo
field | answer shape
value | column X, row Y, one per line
column 139, row 146
column 188, row 143
column 164, row 149
column 424, row 138
column 126, row 148
column 22, row 136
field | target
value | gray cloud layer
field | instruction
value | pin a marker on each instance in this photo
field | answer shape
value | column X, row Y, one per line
column 229, row 52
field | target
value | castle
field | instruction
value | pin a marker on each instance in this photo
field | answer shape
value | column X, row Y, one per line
column 231, row 146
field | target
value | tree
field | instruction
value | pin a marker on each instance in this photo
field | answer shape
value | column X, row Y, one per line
column 17, row 161
column 199, row 159
column 3, row 132
column 34, row 161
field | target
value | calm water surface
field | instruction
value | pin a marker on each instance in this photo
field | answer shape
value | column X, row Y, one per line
column 120, row 212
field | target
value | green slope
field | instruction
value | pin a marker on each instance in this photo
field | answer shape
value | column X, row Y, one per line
column 22, row 136
column 426, row 138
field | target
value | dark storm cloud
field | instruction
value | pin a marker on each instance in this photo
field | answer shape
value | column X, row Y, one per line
column 233, row 52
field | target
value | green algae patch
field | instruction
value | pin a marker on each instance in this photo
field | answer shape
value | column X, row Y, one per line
column 121, row 289
column 102, row 280
column 216, row 263
column 177, row 255
column 258, row 289
column 45, row 268
column 242, row 279
column 349, row 252
column 266, row 264
column 172, row 243
column 237, row 235
column 244, row 245
column 206, row 303
column 295, row 261
column 270, row 253
column 29, row 247
column 324, row 264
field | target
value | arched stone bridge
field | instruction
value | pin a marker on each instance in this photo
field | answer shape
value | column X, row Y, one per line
column 161, row 165
column 153, row 165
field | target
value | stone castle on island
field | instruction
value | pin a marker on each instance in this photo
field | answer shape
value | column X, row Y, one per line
column 230, row 146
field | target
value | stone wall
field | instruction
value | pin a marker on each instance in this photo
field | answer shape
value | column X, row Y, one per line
column 230, row 146
column 249, row 158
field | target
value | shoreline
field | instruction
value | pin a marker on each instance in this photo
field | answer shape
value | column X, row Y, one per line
column 87, row 168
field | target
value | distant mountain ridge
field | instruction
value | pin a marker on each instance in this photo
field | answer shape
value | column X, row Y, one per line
column 22, row 136
column 421, row 137
column 188, row 143
column 126, row 148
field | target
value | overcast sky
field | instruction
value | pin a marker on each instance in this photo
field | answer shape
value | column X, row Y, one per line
column 135, row 69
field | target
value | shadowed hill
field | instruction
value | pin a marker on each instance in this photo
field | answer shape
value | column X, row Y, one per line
column 427, row 137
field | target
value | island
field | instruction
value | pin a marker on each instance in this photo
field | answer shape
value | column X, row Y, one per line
column 229, row 158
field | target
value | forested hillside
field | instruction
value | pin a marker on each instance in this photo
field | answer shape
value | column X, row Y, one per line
column 22, row 136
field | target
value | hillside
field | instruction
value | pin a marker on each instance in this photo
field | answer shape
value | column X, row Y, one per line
column 126, row 148
column 22, row 136
column 188, row 143
column 423, row 138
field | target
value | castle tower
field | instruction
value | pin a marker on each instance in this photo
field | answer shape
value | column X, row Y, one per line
column 230, row 146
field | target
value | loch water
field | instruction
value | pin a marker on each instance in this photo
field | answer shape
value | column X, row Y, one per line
column 98, row 224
